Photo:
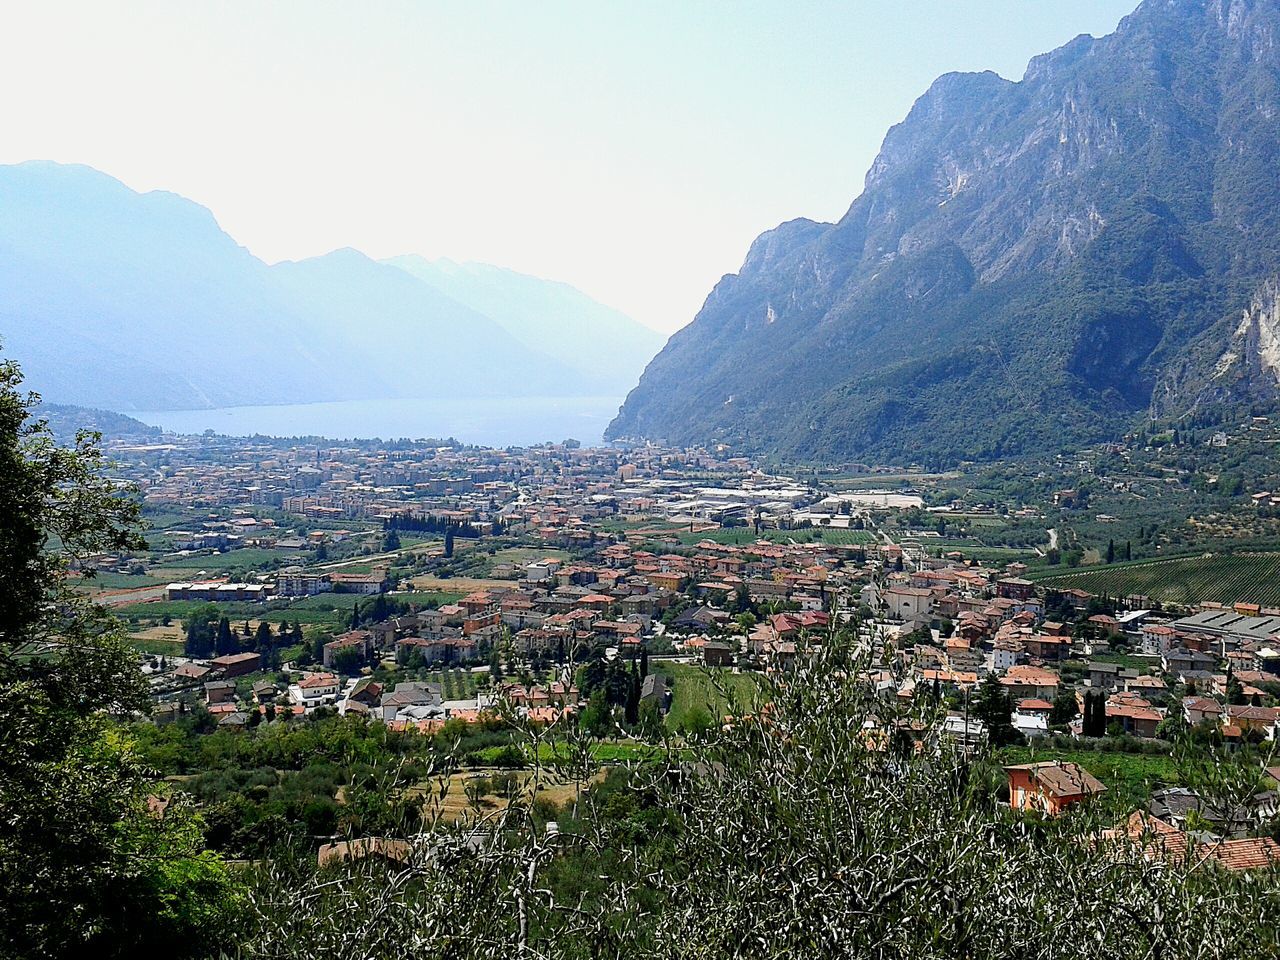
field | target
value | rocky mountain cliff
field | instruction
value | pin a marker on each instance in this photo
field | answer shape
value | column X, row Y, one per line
column 1030, row 265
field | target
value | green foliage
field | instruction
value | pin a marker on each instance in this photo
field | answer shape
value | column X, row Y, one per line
column 778, row 835
column 86, row 866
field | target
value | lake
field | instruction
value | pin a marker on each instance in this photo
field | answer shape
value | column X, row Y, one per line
column 485, row 422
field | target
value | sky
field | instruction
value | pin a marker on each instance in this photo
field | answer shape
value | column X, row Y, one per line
column 633, row 149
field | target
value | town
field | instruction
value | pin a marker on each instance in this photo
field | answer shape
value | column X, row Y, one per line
column 646, row 591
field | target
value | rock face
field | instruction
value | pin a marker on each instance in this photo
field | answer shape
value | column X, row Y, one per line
column 1030, row 265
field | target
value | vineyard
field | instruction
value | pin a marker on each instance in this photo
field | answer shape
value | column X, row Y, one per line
column 1221, row 578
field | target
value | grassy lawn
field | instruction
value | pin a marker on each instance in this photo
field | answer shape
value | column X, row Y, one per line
column 718, row 691
column 1130, row 777
column 603, row 752
column 153, row 647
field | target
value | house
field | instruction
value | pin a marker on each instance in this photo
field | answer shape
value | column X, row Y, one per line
column 1047, row 646
column 718, row 654
column 236, row 664
column 1182, row 660
column 1160, row 839
column 1198, row 710
column 654, row 690
column 1004, row 654
column 1015, row 588
column 1051, row 786
column 1136, row 716
column 1158, row 639
column 1260, row 719
column 908, row 603
column 361, row 641
column 302, row 584
column 1107, row 676
column 366, row 584
column 219, row 691
column 1024, row 681
column 312, row 690
column 191, row 671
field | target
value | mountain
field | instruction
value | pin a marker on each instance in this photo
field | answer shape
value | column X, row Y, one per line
column 66, row 421
column 1031, row 265
column 601, row 345
column 134, row 301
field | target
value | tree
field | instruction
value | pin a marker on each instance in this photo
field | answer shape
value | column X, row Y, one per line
column 226, row 642
column 495, row 667
column 448, row 543
column 597, row 717
column 391, row 541
column 263, row 642
column 994, row 708
column 1064, row 709
column 631, row 712
column 1111, row 551
column 644, row 662
column 1235, row 689
column 85, row 869
column 347, row 660
column 802, row 836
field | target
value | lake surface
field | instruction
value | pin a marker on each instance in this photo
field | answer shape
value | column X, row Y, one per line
column 485, row 422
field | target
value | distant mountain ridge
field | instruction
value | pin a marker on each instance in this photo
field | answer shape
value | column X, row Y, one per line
column 1031, row 265
column 126, row 301
column 601, row 345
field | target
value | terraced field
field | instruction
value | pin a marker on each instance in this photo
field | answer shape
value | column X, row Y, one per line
column 1221, row 578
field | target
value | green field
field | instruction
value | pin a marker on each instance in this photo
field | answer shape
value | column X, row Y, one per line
column 716, row 690
column 249, row 558
column 1129, row 777
column 177, row 610
column 1221, row 578
column 103, row 581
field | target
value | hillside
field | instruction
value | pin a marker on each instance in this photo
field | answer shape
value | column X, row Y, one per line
column 140, row 301
column 1030, row 264
column 601, row 345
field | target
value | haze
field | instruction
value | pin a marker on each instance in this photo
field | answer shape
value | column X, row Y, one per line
column 631, row 150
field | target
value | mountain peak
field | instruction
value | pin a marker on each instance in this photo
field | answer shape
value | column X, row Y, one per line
column 1031, row 264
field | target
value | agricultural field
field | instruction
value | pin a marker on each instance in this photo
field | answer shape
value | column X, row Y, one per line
column 233, row 561
column 717, row 691
column 478, row 793
column 744, row 536
column 524, row 555
column 1221, row 578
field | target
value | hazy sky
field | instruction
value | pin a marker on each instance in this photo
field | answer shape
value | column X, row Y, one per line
column 632, row 149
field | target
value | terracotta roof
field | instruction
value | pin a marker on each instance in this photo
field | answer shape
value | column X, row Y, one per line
column 1252, row 853
column 1062, row 779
